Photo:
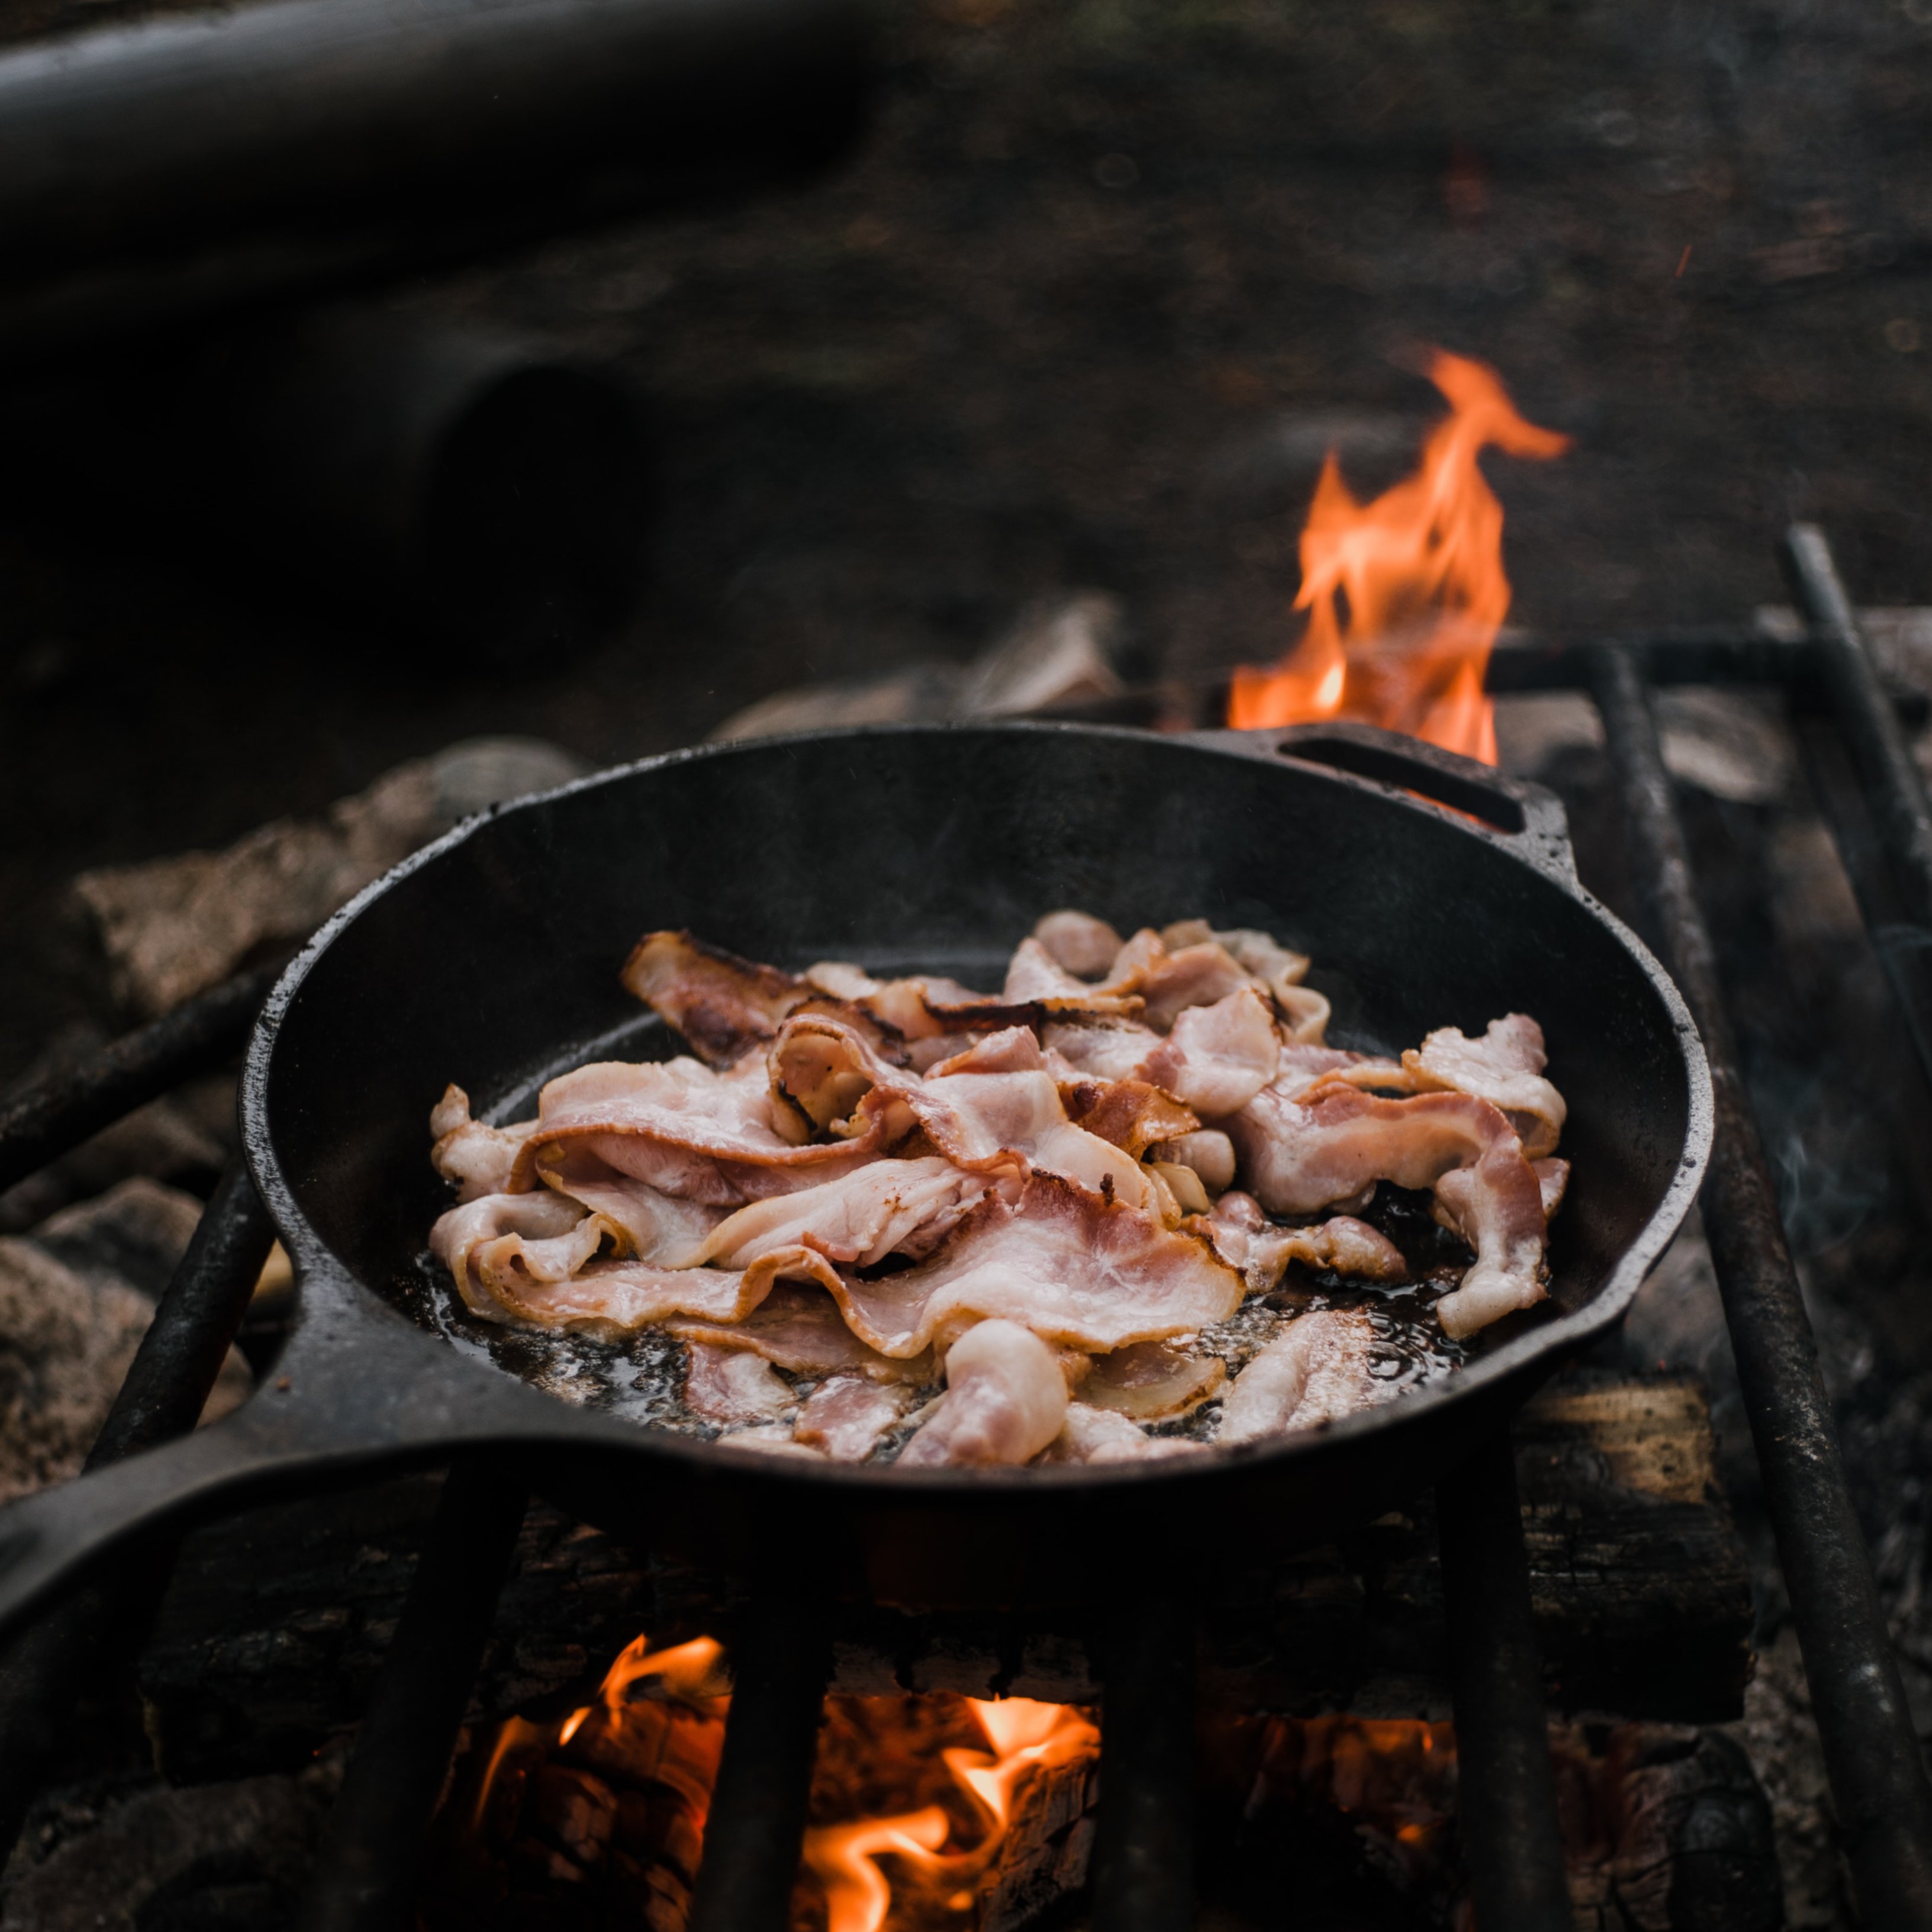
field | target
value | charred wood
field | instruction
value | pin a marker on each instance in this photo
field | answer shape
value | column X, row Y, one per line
column 277, row 1620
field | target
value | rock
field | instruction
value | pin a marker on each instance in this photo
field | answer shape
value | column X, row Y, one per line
column 135, row 1234
column 65, row 1343
column 72, row 1312
column 1062, row 651
column 172, row 927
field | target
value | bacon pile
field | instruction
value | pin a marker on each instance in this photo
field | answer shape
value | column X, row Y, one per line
column 860, row 1189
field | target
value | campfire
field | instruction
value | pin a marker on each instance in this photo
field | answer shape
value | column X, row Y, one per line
column 1405, row 595
column 940, row 1812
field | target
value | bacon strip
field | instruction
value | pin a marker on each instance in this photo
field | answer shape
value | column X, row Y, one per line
column 799, row 1326
column 479, row 1158
column 1090, row 1435
column 845, row 1417
column 1074, row 1269
column 1005, row 1400
column 1149, row 1380
column 682, row 1129
column 885, row 1207
column 1505, row 1067
column 1245, row 1238
column 1214, row 1062
column 1083, row 945
column 723, row 1005
column 728, row 1385
column 1316, row 1370
column 1299, row 1154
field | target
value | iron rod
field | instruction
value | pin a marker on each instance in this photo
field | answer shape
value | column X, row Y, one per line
column 1879, row 1787
column 55, row 1115
column 1841, row 657
column 1521, row 663
column 1143, row 1846
column 1506, row 1804
column 780, row 1663
column 46, row 1669
column 1900, row 946
column 367, row 1875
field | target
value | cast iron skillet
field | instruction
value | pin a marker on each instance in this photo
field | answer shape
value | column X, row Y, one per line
column 491, row 959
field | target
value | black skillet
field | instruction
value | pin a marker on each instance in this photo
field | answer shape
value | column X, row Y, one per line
column 491, row 959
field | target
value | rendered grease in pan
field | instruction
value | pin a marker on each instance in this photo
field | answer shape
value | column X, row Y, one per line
column 640, row 1378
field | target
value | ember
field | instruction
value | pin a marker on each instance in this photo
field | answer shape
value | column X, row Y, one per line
column 931, row 1811
column 1405, row 595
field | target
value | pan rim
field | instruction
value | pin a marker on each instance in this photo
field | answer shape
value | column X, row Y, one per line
column 1544, row 1346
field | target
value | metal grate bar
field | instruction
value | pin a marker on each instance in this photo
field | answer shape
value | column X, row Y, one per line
column 780, row 1664
column 1144, row 1846
column 45, row 1670
column 1506, row 1805
column 1880, row 821
column 366, row 1874
column 57, row 1114
column 1871, row 1752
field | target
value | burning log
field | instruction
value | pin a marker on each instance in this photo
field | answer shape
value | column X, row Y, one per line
column 276, row 1625
column 933, row 1807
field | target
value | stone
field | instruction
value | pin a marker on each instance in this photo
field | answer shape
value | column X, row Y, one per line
column 172, row 928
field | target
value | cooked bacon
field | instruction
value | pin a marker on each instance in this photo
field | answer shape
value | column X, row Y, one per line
column 729, row 1385
column 1504, row 1223
column 1134, row 1114
column 1552, row 1178
column 1245, row 1238
column 1111, row 1050
column 1305, row 1014
column 1005, row 1400
column 1304, row 1065
column 477, row 1157
column 1214, row 1062
column 722, row 1004
column 655, row 1227
column 1301, row 1154
column 682, row 1129
column 1207, row 1151
column 1218, row 1057
column 1149, row 1380
column 845, row 1417
column 1316, row 1370
column 1090, row 1435
column 1075, row 1269
column 1038, row 986
column 799, row 1326
column 1082, row 944
column 856, row 1172
column 543, row 1226
column 1505, row 1067
column 1101, row 1167
column 885, row 1207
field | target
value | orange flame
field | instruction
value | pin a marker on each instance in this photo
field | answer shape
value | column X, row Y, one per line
column 1405, row 595
column 844, row 1858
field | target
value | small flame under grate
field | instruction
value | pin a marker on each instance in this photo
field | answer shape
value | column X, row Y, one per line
column 929, row 1813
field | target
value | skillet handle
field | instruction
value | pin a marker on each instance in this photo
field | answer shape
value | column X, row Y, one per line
column 329, row 1414
column 1529, row 816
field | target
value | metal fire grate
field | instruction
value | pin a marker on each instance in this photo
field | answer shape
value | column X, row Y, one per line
column 1862, row 773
